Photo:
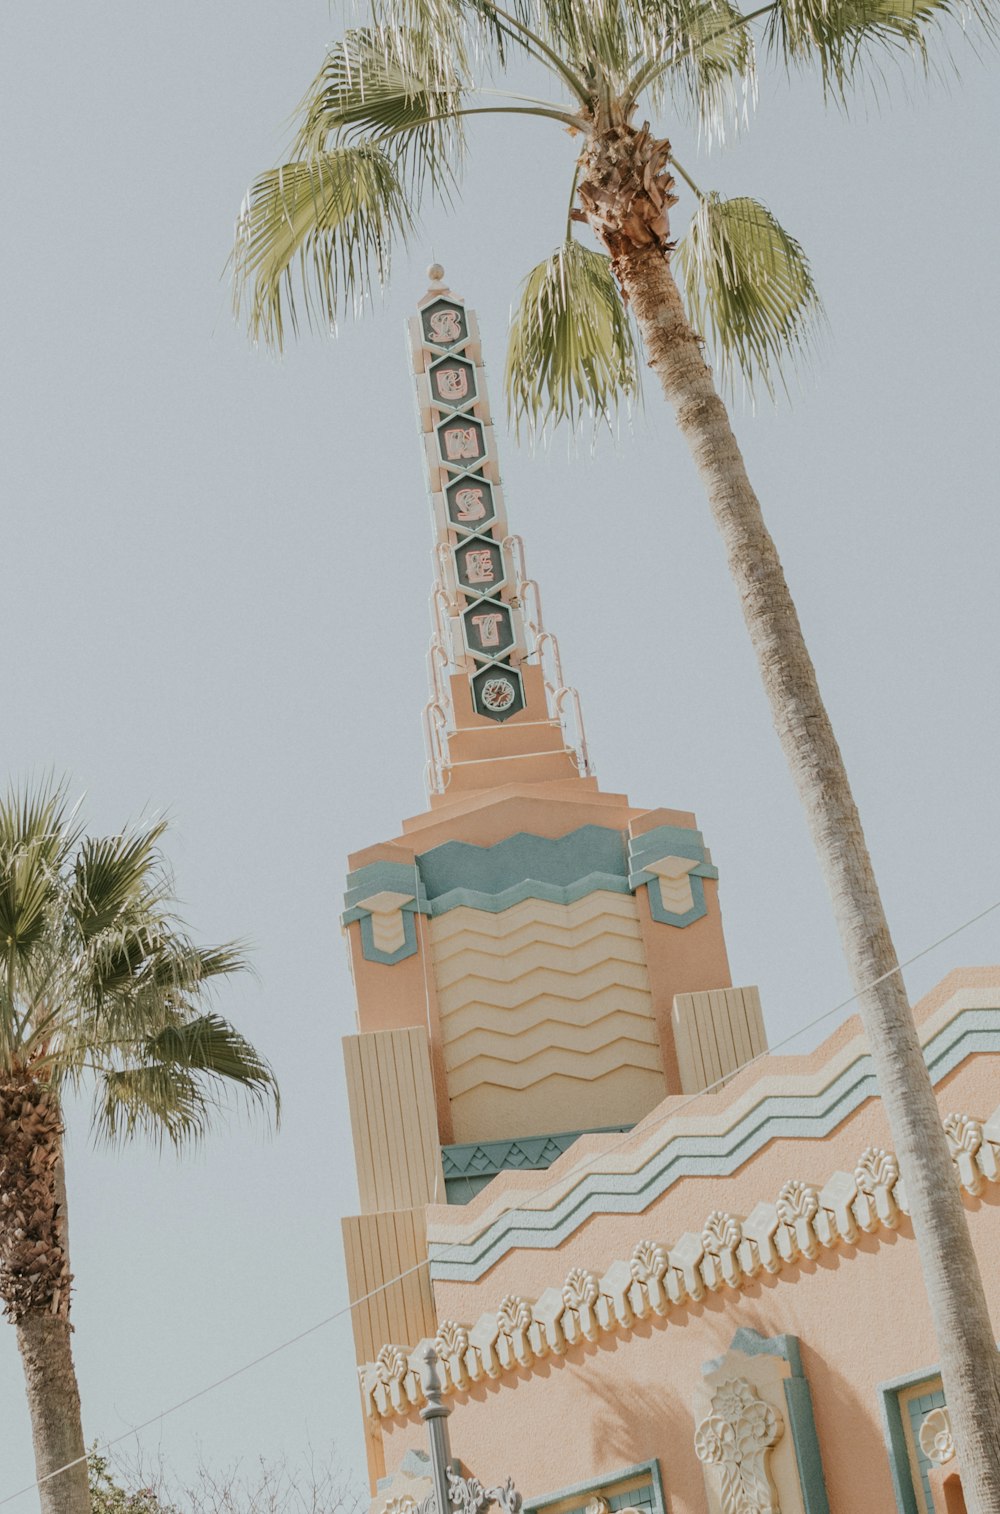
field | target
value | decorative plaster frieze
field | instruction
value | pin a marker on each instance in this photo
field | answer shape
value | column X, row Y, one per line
column 737, row 1439
column 657, row 1277
column 628, row 1176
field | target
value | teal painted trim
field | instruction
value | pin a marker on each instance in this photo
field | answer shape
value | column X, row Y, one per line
column 798, row 1401
column 492, row 870
column 667, row 917
column 470, row 1166
column 809, row 1117
column 385, row 877
column 529, row 889
column 895, row 1438
column 667, row 841
column 585, row 1490
column 379, row 878
column 374, row 953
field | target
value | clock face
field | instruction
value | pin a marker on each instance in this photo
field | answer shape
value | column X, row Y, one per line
column 498, row 694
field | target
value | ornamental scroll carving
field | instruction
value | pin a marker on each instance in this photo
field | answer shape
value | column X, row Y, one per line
column 737, row 1437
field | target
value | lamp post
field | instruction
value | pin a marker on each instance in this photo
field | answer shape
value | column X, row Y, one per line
column 452, row 1493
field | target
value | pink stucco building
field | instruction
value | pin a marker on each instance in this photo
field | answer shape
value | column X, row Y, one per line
column 662, row 1268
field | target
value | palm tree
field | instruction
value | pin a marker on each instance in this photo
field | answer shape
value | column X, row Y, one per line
column 99, row 985
column 382, row 129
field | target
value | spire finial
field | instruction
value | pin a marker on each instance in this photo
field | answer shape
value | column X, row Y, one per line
column 435, row 274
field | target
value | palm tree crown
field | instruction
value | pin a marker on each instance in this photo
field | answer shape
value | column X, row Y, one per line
column 99, row 982
column 382, row 129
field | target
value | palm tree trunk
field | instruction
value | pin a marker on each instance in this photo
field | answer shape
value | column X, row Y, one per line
column 625, row 190
column 54, row 1404
column 35, row 1285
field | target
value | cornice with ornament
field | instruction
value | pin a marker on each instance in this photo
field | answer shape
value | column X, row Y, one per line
column 658, row 1278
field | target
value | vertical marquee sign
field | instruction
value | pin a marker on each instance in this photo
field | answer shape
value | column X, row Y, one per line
column 468, row 504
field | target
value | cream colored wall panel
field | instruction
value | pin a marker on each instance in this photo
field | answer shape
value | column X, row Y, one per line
column 500, row 944
column 716, row 1033
column 459, row 922
column 486, row 1042
column 544, row 992
column 393, row 1118
column 548, row 1009
column 557, row 1103
column 535, row 981
column 379, row 1247
column 552, row 953
column 585, row 1066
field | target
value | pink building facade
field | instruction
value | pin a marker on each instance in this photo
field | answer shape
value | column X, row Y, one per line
column 662, row 1268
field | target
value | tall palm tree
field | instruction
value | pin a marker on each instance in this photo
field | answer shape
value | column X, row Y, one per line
column 99, row 985
column 382, row 129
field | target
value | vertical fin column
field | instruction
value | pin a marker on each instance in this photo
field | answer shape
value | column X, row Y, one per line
column 486, row 612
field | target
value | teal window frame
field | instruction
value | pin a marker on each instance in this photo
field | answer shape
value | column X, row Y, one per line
column 598, row 1486
column 890, row 1395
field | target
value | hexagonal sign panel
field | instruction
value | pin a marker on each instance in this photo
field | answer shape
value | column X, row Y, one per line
column 461, row 441
column 489, row 629
column 453, row 382
column 479, row 565
column 470, row 502
column 444, row 324
column 497, row 692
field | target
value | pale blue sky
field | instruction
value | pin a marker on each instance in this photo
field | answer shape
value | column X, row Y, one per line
column 213, row 600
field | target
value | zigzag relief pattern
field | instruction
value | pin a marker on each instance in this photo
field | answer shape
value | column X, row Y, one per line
column 560, row 989
column 712, row 1139
column 615, row 912
column 528, row 981
column 543, row 952
column 549, row 1010
column 554, row 1035
column 587, row 1066
column 659, row 1278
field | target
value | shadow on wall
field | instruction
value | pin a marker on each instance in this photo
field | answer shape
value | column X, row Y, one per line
column 631, row 1427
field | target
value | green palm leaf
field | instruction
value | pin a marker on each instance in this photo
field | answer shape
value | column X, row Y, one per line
column 848, row 37
column 388, row 85
column 321, row 230
column 572, row 351
column 749, row 289
column 111, row 873
column 711, row 55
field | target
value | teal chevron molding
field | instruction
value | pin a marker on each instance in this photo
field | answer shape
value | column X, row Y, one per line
column 683, row 1151
column 492, row 871
column 468, row 1168
column 530, row 888
column 798, row 1401
column 560, row 870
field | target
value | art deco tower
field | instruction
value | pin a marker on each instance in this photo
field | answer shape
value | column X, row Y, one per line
column 533, row 958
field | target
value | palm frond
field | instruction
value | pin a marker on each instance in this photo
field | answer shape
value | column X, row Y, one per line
column 708, row 52
column 388, row 86
column 598, row 37
column 158, row 1101
column 36, row 837
column 212, row 1048
column 850, row 39
column 112, row 873
column 169, row 1086
column 320, row 230
column 572, row 350
column 749, row 289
